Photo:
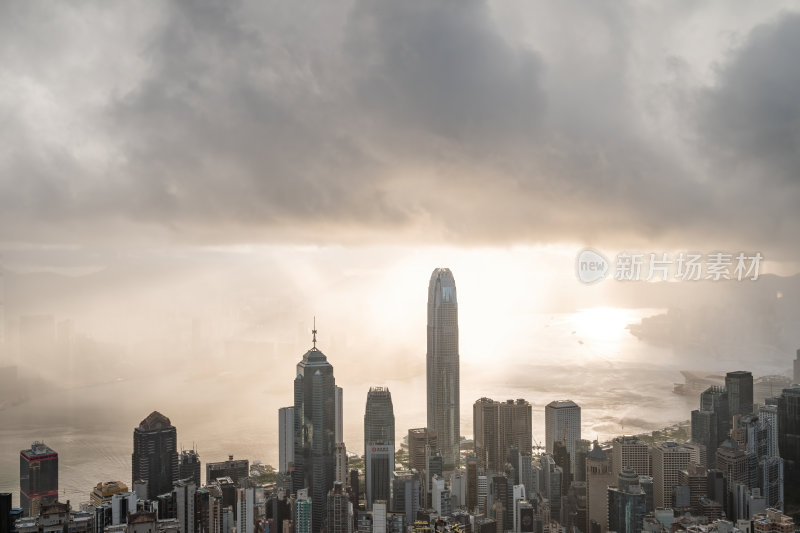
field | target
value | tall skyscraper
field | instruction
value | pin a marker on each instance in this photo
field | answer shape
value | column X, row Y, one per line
column 38, row 478
column 189, row 466
column 483, row 494
column 472, row 483
column 768, row 414
column 599, row 476
column 379, row 417
column 285, row 438
column 558, row 416
column 379, row 438
column 314, row 430
column 418, row 440
column 796, row 368
column 740, row 392
column 669, row 458
column 155, row 454
column 712, row 422
column 499, row 426
column 443, row 365
column 379, row 465
column 789, row 434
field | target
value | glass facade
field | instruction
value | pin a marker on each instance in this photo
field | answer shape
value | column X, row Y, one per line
column 443, row 365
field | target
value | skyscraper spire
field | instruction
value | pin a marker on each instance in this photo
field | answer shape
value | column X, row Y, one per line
column 314, row 333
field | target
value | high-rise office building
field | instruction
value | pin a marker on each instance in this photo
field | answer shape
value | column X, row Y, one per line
column 379, row 417
column 768, row 414
column 285, row 439
column 339, row 407
column 796, row 369
column 405, row 494
column 526, row 474
column 38, row 478
column 184, row 497
column 789, row 434
column 443, row 389
column 582, row 449
column 303, row 512
column 315, row 430
column 711, row 424
column 355, row 486
column 502, row 506
column 627, row 503
column 472, row 483
column 560, row 416
column 419, row 439
column 483, row 494
column 499, row 426
column 757, row 435
column 599, row 476
column 5, row 497
column 379, row 435
column 628, row 451
column 379, row 516
column 340, row 510
column 562, row 459
column 379, row 466
column 695, row 477
column 739, row 385
column 669, row 458
column 340, row 463
column 236, row 469
column 155, row 454
column 189, row 466
column 736, row 465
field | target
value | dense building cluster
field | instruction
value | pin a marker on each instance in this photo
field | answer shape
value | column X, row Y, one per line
column 733, row 475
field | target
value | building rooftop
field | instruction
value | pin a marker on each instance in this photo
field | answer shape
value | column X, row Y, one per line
column 154, row 421
column 561, row 404
column 38, row 449
column 597, row 453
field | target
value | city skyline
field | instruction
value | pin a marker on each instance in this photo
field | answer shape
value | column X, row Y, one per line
column 229, row 213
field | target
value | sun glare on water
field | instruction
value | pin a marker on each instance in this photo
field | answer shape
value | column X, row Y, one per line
column 602, row 323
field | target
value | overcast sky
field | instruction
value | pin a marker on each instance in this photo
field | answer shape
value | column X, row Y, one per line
column 433, row 122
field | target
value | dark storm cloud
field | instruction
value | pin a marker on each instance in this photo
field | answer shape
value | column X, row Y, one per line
column 752, row 117
column 750, row 124
column 415, row 121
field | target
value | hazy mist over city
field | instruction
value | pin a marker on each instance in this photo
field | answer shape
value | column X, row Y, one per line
column 186, row 187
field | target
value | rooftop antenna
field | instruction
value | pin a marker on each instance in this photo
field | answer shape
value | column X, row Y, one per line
column 314, row 333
